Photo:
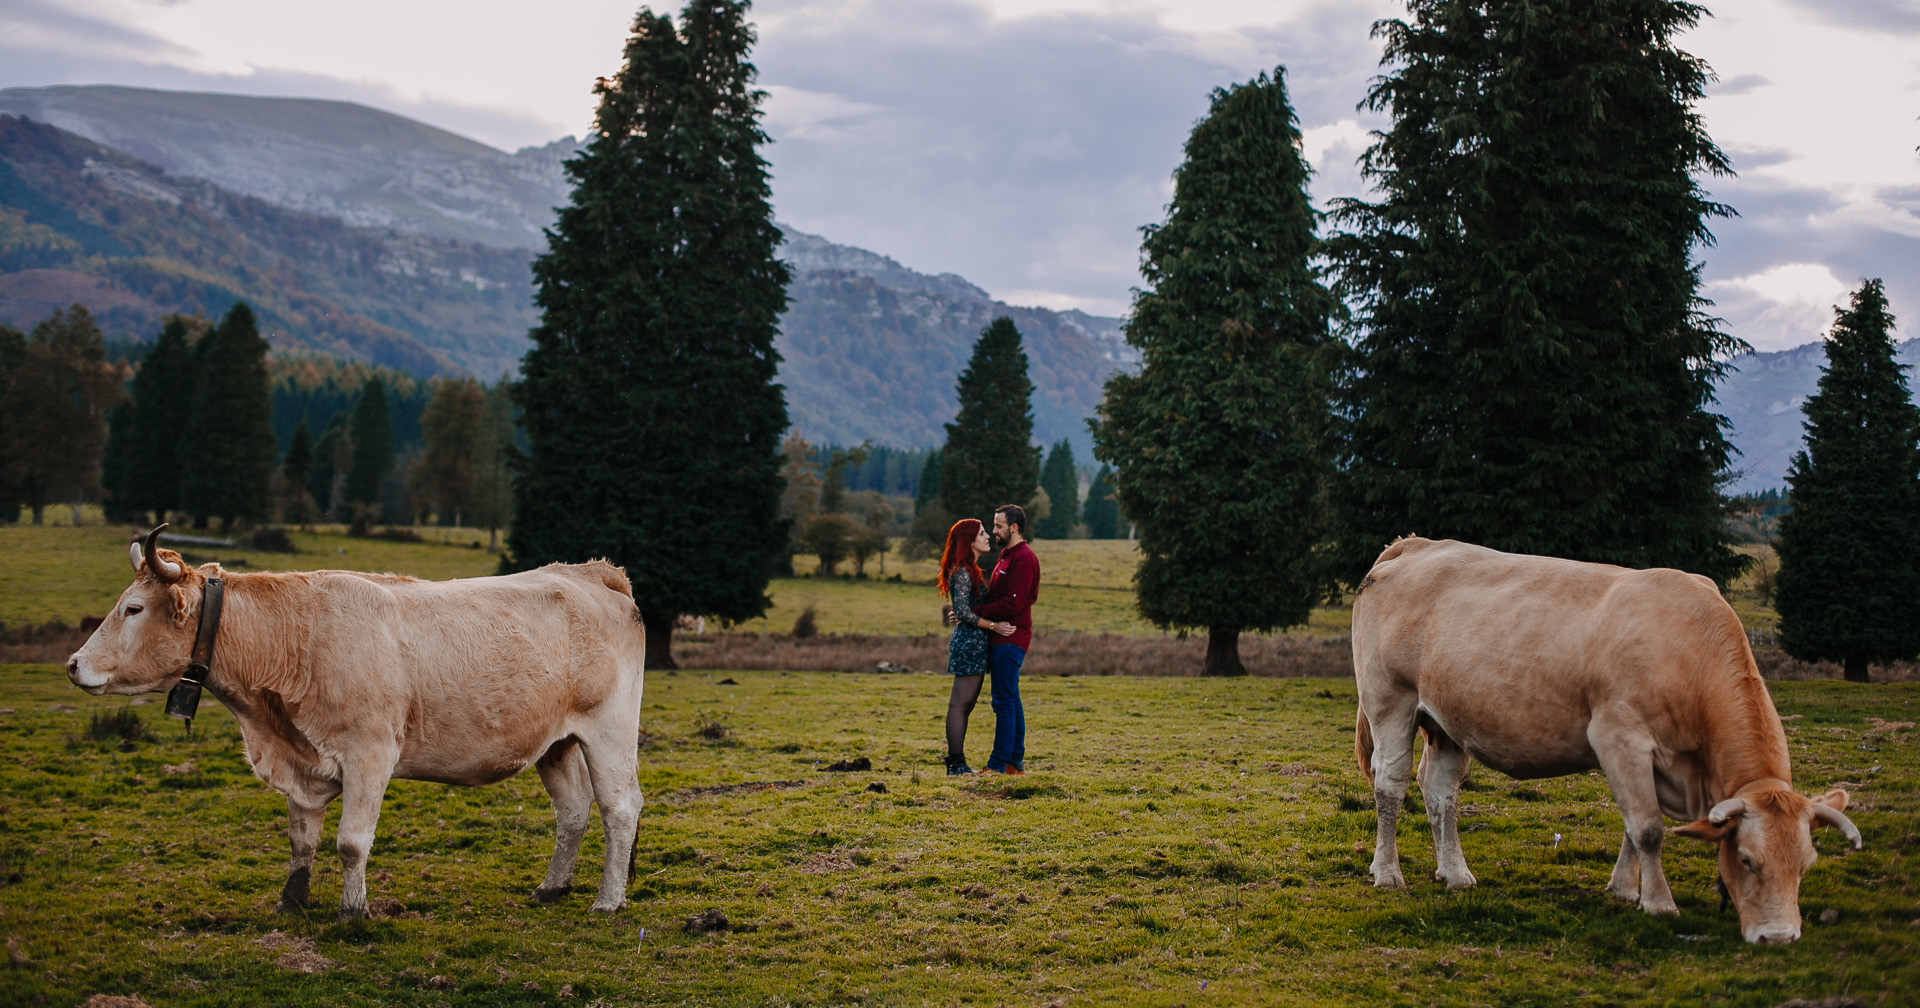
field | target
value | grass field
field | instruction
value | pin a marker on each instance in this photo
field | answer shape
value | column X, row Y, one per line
column 1178, row 841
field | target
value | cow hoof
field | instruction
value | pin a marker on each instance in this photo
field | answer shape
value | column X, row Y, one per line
column 285, row 907
column 347, row 916
column 607, row 908
column 552, row 895
column 1667, row 907
column 1464, row 880
column 1389, row 880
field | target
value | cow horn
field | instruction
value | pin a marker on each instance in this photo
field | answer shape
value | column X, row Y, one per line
column 1838, row 820
column 1727, row 810
column 165, row 570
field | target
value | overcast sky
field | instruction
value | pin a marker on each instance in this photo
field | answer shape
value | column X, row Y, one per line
column 1023, row 143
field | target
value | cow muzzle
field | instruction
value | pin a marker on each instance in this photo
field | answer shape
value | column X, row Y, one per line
column 1773, row 934
column 90, row 680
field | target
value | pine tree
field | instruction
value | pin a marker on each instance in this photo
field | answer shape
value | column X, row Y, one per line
column 454, row 425
column 927, row 490
column 651, row 413
column 989, row 458
column 493, row 468
column 162, row 403
column 227, row 444
column 295, row 469
column 1849, row 583
column 372, row 432
column 1535, row 370
column 332, row 457
column 1062, row 485
column 1220, row 441
column 1102, row 512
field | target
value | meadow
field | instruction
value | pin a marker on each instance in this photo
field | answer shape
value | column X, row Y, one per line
column 1177, row 841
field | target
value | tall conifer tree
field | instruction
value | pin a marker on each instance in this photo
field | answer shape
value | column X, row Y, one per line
column 1849, row 583
column 372, row 431
column 1535, row 370
column 162, row 401
column 648, row 399
column 1220, row 441
column 989, row 458
column 1062, row 484
column 227, row 445
column 1102, row 512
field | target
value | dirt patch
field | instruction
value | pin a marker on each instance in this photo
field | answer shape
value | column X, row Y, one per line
column 297, row 954
column 720, row 789
column 826, row 863
column 849, row 765
column 114, row 1001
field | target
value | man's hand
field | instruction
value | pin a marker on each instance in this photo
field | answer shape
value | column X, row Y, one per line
column 1003, row 629
column 952, row 618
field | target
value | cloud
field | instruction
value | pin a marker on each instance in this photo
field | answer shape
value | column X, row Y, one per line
column 799, row 114
column 1743, row 84
column 1900, row 17
column 1022, row 152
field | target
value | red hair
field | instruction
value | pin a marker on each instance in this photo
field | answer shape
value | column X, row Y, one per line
column 959, row 552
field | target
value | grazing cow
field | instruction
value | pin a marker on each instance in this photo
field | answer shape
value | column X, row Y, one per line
column 1539, row 667
column 342, row 681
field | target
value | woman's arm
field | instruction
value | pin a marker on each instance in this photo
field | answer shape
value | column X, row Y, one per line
column 960, row 596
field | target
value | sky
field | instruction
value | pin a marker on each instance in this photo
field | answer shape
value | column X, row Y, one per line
column 1022, row 144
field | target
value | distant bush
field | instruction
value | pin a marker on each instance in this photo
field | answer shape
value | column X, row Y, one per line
column 806, row 625
column 271, row 539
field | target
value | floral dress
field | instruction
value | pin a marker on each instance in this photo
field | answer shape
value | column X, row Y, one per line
column 967, row 649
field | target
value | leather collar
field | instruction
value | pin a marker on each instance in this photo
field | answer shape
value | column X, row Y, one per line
column 184, row 698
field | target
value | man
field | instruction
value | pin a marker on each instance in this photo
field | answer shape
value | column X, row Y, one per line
column 1011, row 589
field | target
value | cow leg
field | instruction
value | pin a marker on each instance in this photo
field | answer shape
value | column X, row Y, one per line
column 1393, row 734
column 306, row 815
column 1442, row 769
column 563, row 770
column 1625, row 880
column 363, row 788
column 612, row 769
column 1627, row 760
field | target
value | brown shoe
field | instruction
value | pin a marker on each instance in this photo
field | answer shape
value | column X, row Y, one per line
column 1014, row 771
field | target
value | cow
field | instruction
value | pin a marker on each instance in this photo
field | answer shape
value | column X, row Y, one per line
column 342, row 681
column 1541, row 667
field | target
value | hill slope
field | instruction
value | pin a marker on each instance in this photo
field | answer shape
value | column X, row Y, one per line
column 81, row 222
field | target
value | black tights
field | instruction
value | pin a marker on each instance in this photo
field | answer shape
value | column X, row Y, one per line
column 966, row 690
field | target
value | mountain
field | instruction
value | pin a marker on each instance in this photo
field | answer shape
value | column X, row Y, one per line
column 336, row 159
column 1762, row 396
column 84, row 223
column 397, row 216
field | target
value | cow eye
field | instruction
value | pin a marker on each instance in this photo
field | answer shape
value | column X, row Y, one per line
column 134, row 610
column 1748, row 862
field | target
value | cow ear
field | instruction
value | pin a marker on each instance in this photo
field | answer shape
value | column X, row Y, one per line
column 1835, row 799
column 137, row 555
column 1703, row 829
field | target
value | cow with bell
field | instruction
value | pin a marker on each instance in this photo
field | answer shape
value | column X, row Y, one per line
column 342, row 681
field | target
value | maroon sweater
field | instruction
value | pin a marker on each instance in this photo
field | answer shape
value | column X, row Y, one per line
column 1010, row 593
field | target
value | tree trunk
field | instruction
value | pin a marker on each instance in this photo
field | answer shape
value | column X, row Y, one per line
column 659, row 641
column 1223, row 652
column 1856, row 668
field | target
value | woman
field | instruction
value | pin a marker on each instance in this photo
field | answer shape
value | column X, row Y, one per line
column 964, row 586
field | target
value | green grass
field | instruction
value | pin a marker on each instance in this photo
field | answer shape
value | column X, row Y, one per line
column 64, row 573
column 1177, row 841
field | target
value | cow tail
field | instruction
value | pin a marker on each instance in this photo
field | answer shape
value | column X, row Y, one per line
column 1363, row 743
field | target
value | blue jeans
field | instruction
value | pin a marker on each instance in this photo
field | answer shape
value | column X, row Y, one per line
column 1009, row 717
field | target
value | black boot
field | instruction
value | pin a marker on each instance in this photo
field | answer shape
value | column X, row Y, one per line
column 957, row 766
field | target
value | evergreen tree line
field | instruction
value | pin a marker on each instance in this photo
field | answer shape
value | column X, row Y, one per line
column 190, row 428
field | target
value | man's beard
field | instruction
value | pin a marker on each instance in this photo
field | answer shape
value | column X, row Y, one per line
column 997, row 539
